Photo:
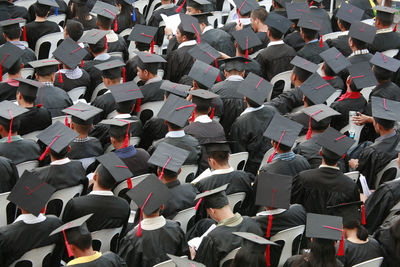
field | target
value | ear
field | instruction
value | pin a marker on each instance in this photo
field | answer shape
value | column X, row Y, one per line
column 95, row 176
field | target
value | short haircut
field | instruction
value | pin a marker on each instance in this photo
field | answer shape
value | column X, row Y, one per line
column 46, row 71
column 74, row 29
column 41, row 10
column 60, row 155
column 150, row 67
column 82, row 241
column 113, row 74
column 329, row 157
column 202, row 105
column 98, row 47
column 252, row 103
column 15, row 68
column 308, row 101
column 104, row 22
column 6, row 124
column 382, row 74
column 277, row 3
column 386, row 20
column 125, row 106
column 167, row 174
column 82, row 128
column 275, row 33
column 189, row 35
column 283, row 147
column 320, row 125
column 219, row 156
column 359, row 44
column 354, row 88
column 346, row 25
column 386, row 124
column 259, row 13
column 118, row 133
column 309, row 34
column 241, row 51
column 301, row 74
column 328, row 71
column 104, row 178
column 174, row 126
column 12, row 33
column 142, row 46
column 28, row 99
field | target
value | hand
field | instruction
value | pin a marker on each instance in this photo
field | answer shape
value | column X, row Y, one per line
column 363, row 198
column 167, row 31
column 239, row 26
column 353, row 163
column 192, row 253
column 362, row 119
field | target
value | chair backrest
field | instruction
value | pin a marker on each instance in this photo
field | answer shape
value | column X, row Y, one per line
column 266, row 156
column 133, row 181
column 153, row 106
column 65, row 195
column 3, row 208
column 116, row 54
column 24, row 3
column 153, row 6
column 59, row 19
column 367, row 91
column 391, row 165
column 36, row 256
column 26, row 73
column 377, row 262
column 27, row 165
column 141, row 5
column 97, row 90
column 288, row 236
column 86, row 162
column 333, row 97
column 60, row 119
column 391, row 52
column 229, row 257
column 184, row 216
column 76, row 93
column 393, row 211
column 168, row 263
column 236, row 198
column 31, row 135
column 238, row 158
column 285, row 77
column 112, row 114
column 186, row 171
column 105, row 236
column 52, row 38
column 353, row 175
column 333, row 35
column 216, row 19
column 125, row 32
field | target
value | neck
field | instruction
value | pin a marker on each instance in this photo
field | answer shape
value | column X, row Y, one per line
column 324, row 163
column 13, row 76
column 40, row 19
column 97, row 187
column 119, row 145
column 172, row 130
column 307, row 41
column 384, row 132
column 272, row 39
column 82, row 135
column 24, row 104
column 102, row 52
column 43, row 79
column 154, row 215
column 198, row 114
column 220, row 166
column 83, row 253
column 150, row 76
column 263, row 28
column 165, row 181
column 224, row 213
column 382, row 81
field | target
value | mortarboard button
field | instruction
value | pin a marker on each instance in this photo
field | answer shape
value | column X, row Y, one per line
column 385, row 62
column 167, row 156
column 335, row 59
column 386, row 109
column 317, row 89
column 362, row 31
column 92, row 36
column 246, row 6
column 349, row 13
column 324, row 226
column 176, row 110
column 273, row 190
column 278, row 22
column 175, row 88
column 283, row 130
column 82, row 113
column 296, row 10
column 348, row 211
column 361, row 75
column 205, row 53
column 304, row 64
column 234, row 63
column 184, row 262
column 28, row 87
column 255, row 88
column 70, row 53
column 126, row 91
column 335, row 142
column 215, row 198
column 311, row 22
column 246, row 39
column 50, row 3
column 203, row 73
column 115, row 167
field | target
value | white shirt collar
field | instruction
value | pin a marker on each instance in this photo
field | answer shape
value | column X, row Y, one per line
column 101, row 193
column 72, row 74
column 275, row 43
column 123, row 116
column 384, row 30
column 155, row 223
column 175, row 134
column 327, row 166
column 250, row 109
column 235, row 78
column 187, row 43
column 30, row 218
column 244, row 21
column 111, row 36
column 18, row 44
column 222, row 171
column 60, row 161
column 203, row 119
column 102, row 57
column 153, row 80
column 270, row 212
column 207, row 28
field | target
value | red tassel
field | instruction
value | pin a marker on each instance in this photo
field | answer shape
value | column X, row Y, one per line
column 321, row 42
column 163, row 168
column 24, row 33
column 69, row 250
column 123, row 74
column 60, row 79
column 1, row 73
column 139, row 230
column 39, row 105
column 48, row 148
column 247, row 48
column 43, row 210
column 273, row 154
column 106, row 44
column 341, row 247
column 180, row 7
column 363, row 220
column 198, row 204
column 212, row 113
column 138, row 102
column 82, row 64
column 126, row 140
column 197, row 33
column 193, row 115
column 395, row 28
column 218, row 78
column 10, row 130
column 312, row 2
column 309, row 131
column 66, row 122
column 152, row 46
column 129, row 183
column 115, row 24
column 268, row 255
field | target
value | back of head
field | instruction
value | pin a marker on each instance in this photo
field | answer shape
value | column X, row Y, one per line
column 301, row 74
column 320, row 125
column 80, row 237
column 15, row 68
column 323, row 253
column 98, row 47
column 359, row 44
column 362, row 233
column 142, row 46
column 104, row 178
column 150, row 67
column 275, row 33
column 62, row 154
column 259, row 13
column 118, row 132
column 382, row 74
column 346, row 25
column 74, row 29
column 216, row 201
column 220, row 157
column 125, row 106
column 189, row 35
column 386, row 124
column 41, row 10
column 104, row 22
column 309, row 34
column 245, row 257
column 330, row 157
column 6, row 124
column 28, row 99
column 12, row 33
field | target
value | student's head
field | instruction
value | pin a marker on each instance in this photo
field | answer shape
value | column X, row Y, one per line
column 299, row 76
column 277, row 4
column 382, row 22
column 218, row 158
column 382, row 125
column 251, row 103
column 12, row 33
column 321, row 125
column 322, row 252
column 217, row 205
column 327, row 70
column 99, row 47
column 117, row 135
column 282, row 148
column 79, row 239
column 362, row 233
column 82, row 129
column 41, row 10
column 112, row 76
column 168, row 175
column 15, row 68
column 59, row 155
column 183, row 36
column 125, row 107
column 203, row 106
column 307, row 101
column 172, row 126
column 258, row 17
column 73, row 29
column 381, row 74
column 246, row 257
column 308, row 34
column 142, row 46
column 146, row 71
column 357, row 44
column 330, row 158
column 27, row 99
column 5, row 126
column 274, row 33
column 104, row 23
column 103, row 178
column 343, row 25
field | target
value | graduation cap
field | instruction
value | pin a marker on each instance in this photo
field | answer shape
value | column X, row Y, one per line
column 184, row 262
column 148, row 60
column 176, row 110
column 255, row 88
column 31, row 193
column 304, row 64
column 82, row 113
column 112, row 165
column 234, row 63
column 273, row 190
column 197, row 4
column 349, row 13
column 92, row 36
column 28, row 87
column 386, row 109
column 256, row 244
column 202, row 17
column 8, row 112
column 278, row 22
column 111, row 68
column 205, row 53
column 384, row 13
column 11, row 24
column 317, row 89
column 246, row 39
column 106, row 10
column 217, row 146
column 335, row 59
column 203, row 98
column 56, row 137
column 204, row 73
column 126, row 91
column 215, row 198
column 50, row 3
column 318, row 113
column 181, row 90
column 362, row 31
column 70, row 53
column 334, row 143
column 364, row 5
column 143, row 34
column 311, row 22
column 246, row 6
column 282, row 2
column 9, row 55
column 43, row 64
column 296, row 10
column 353, row 211
column 362, row 75
column 385, row 62
column 167, row 156
column 120, row 124
column 190, row 24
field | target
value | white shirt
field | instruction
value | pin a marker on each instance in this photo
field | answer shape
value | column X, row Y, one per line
column 111, row 36
column 153, row 80
column 175, row 134
column 327, row 166
column 153, row 223
column 102, row 57
column 72, row 74
column 275, row 43
column 30, row 218
column 207, row 28
column 203, row 119
column 123, row 116
column 187, row 43
column 250, row 109
column 101, row 193
column 235, row 78
column 60, row 161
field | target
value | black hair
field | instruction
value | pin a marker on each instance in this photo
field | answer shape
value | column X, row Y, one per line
column 277, row 2
column 382, row 74
column 118, row 133
column 359, row 44
column 246, row 257
column 112, row 74
column 202, row 105
column 125, row 15
column 354, row 88
column 283, row 147
column 320, row 125
column 386, row 20
column 125, row 106
column 252, row 103
column 98, row 47
column 174, row 126
column 105, row 179
column 62, row 154
column 150, row 67
column 6, row 124
column 12, row 33
column 104, row 22
column 362, row 233
column 200, row 85
column 41, row 10
column 74, row 29
column 82, row 241
column 259, row 13
column 346, row 25
column 219, row 156
column 28, row 99
column 329, row 157
column 241, row 51
column 168, row 174
column 310, row 34
column 328, row 71
column 142, row 46
column 46, row 71
column 275, row 33
column 15, row 68
column 322, row 253
column 386, row 124
column 189, row 35
column 301, row 74
column 308, row 101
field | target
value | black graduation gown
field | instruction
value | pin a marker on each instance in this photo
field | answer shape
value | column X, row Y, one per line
column 87, row 24
column 10, row 11
column 287, row 167
column 183, row 196
column 385, row 41
column 20, row 151
column 303, row 261
column 294, row 40
column 356, row 253
column 7, row 92
column 220, row 241
column 326, row 20
column 105, row 102
column 252, row 66
column 9, row 175
column 354, row 60
column 153, row 129
column 220, row 40
column 18, row 238
column 310, row 150
column 341, row 43
column 54, row 99
column 385, row 237
column 337, row 83
column 152, row 92
column 231, row 27
column 131, row 68
column 69, row 84
column 34, row 120
column 126, row 21
column 156, row 18
column 108, row 259
column 90, row 148
column 152, row 247
column 35, row 30
column 388, row 90
column 288, row 100
column 317, row 189
column 311, row 51
column 247, row 135
column 302, row 118
column 119, row 46
column 137, row 163
column 343, row 107
column 179, row 63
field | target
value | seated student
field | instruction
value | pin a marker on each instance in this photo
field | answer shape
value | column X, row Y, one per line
column 359, row 40
column 283, row 133
column 374, row 157
column 74, row 30
column 176, row 112
column 128, row 16
column 167, row 8
column 80, row 12
column 106, row 14
column 169, row 160
column 40, row 26
column 317, row 10
column 220, row 241
column 30, row 195
column 108, row 211
column 12, row 146
column 12, row 10
column 9, row 175
column 247, row 130
column 388, row 236
column 11, row 55
column 278, row 8
column 37, row 118
column 278, row 215
column 316, row 189
column 358, row 246
column 149, row 242
column 78, row 241
column 243, row 11
column 294, row 12
column 71, row 76
column 333, row 63
column 12, row 33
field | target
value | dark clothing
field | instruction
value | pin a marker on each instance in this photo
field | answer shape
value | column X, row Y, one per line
column 179, row 63
column 385, row 41
column 310, row 150
column 288, row 100
column 105, row 102
column 388, row 90
column 220, row 40
column 356, row 253
column 326, row 20
column 10, row 11
column 287, row 167
column 35, row 30
column 34, row 120
column 156, row 18
column 183, row 196
column 89, row 148
column 131, row 68
column 88, row 24
column 252, row 66
column 137, row 163
column 69, row 84
column 153, row 129
column 337, row 83
column 311, row 51
column 108, row 259
column 7, row 91
column 118, row 46
column 343, row 107
column 20, row 151
column 54, row 99
column 303, row 261
column 294, row 40
column 341, row 43
column 152, row 92
column 387, row 239
column 9, row 175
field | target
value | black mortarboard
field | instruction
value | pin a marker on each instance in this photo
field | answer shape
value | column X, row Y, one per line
column 190, row 24
column 197, row 4
column 349, row 13
column 111, row 68
column 151, row 190
column 296, row 10
column 320, row 112
column 205, row 53
column 384, row 12
column 304, row 64
column 235, row 63
column 364, row 5
column 9, row 55
column 82, row 113
column 44, row 67
column 105, row 10
column 93, row 36
column 125, row 91
column 273, row 190
column 28, row 87
column 217, row 146
column 324, row 226
column 142, row 34
column 203, row 73
column 176, row 110
column 246, row 38
column 317, row 89
column 361, row 75
column 148, row 58
column 362, row 31
column 278, row 22
column 70, row 53
column 386, row 109
column 9, row 110
column 385, row 62
column 255, row 88
column 167, row 156
column 181, row 90
column 348, row 211
column 254, row 243
column 10, row 24
column 215, row 198
column 57, row 136
column 283, row 130
column 202, row 17
column 31, row 193
column 311, row 22
column 77, row 223
column 203, row 94
column 335, row 142
column 184, row 262
column 335, row 59
column 246, row 6
column 116, row 122
column 50, row 3
column 114, row 166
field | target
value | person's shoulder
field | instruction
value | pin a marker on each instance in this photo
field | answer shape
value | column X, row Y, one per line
column 142, row 152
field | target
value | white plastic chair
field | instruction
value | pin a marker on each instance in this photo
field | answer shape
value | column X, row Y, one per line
column 391, row 52
column 31, row 135
column 27, row 165
column 230, row 256
column 153, row 6
column 215, row 17
column 236, row 158
column 153, row 106
column 141, row 5
column 76, row 93
column 52, row 38
column 333, row 97
column 97, row 90
column 24, row 3
column 3, row 208
column 377, row 262
column 124, row 185
column 333, row 35
column 86, row 162
column 266, row 156
column 356, row 134
column 65, row 195
column 60, row 119
column 125, row 32
column 353, row 175
column 266, row 3
column 59, row 19
column 367, row 91
column 26, row 73
column 184, row 216
column 116, row 54
column 186, row 170
column 105, row 236
column 236, row 198
column 112, row 114
column 36, row 256
column 288, row 236
column 168, row 263
column 285, row 77
column 392, row 164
